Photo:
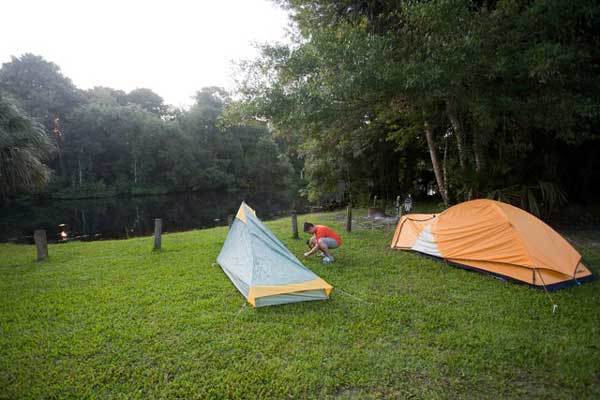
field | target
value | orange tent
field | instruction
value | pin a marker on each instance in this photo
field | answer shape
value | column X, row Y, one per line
column 497, row 238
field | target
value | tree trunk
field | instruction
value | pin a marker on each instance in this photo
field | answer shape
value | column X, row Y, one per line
column 61, row 162
column 437, row 169
column 135, row 170
column 444, row 163
column 478, row 152
column 79, row 169
column 84, row 228
column 457, row 125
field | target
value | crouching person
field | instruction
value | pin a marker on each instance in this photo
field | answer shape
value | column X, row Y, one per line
column 323, row 239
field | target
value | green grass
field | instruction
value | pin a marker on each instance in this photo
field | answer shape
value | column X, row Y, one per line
column 112, row 319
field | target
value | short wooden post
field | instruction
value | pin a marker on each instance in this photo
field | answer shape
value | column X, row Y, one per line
column 41, row 244
column 157, row 233
column 229, row 220
column 349, row 218
column 295, row 225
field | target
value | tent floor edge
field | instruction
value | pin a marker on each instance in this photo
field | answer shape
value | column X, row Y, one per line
column 552, row 287
column 291, row 297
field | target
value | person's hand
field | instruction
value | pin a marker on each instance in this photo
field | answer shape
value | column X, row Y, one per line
column 307, row 254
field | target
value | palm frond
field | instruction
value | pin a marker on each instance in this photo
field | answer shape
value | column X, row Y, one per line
column 24, row 146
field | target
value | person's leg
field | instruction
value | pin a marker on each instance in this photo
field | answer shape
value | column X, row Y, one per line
column 323, row 246
column 331, row 244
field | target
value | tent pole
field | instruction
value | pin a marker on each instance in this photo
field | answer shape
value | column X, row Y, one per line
column 554, row 305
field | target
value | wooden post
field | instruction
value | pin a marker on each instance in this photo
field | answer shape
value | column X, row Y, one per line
column 41, row 244
column 229, row 220
column 295, row 225
column 349, row 218
column 375, row 201
column 157, row 233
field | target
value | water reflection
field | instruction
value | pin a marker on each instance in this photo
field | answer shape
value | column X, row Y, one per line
column 119, row 218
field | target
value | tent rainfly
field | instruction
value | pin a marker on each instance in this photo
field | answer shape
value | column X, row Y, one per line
column 496, row 238
column 262, row 268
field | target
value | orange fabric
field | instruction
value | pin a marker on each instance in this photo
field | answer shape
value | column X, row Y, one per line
column 271, row 290
column 409, row 228
column 241, row 215
column 523, row 274
column 476, row 230
column 323, row 231
column 547, row 249
column 495, row 237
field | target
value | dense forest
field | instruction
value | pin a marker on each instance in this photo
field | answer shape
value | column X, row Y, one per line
column 103, row 141
column 457, row 98
column 487, row 98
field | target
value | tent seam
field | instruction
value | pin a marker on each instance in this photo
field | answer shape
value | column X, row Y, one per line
column 515, row 230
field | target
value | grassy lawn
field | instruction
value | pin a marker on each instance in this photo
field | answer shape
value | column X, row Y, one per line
column 111, row 319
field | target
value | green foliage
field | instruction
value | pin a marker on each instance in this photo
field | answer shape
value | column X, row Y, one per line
column 88, row 190
column 111, row 142
column 40, row 88
column 112, row 319
column 499, row 182
column 542, row 199
column 148, row 100
column 24, row 147
column 499, row 83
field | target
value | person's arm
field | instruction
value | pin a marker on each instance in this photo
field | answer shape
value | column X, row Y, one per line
column 313, row 250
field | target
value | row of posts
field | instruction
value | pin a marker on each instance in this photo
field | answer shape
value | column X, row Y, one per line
column 41, row 241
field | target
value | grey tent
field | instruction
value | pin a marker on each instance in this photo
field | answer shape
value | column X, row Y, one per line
column 262, row 268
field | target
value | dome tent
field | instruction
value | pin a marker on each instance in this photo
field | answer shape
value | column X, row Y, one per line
column 262, row 268
column 496, row 238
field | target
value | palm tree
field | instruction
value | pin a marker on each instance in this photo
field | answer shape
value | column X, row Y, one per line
column 24, row 146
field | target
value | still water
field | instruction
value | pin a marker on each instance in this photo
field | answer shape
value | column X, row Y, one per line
column 119, row 218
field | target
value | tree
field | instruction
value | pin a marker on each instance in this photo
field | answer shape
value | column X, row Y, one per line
column 40, row 88
column 488, row 85
column 148, row 100
column 113, row 141
column 108, row 139
column 24, row 147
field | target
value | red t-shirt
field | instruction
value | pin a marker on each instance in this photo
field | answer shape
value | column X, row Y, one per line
column 323, row 231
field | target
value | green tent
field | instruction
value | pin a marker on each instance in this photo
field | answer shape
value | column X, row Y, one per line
column 262, row 268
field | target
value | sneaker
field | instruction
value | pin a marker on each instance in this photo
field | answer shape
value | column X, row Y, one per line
column 327, row 260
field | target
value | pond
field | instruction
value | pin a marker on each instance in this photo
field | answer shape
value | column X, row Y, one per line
column 119, row 218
